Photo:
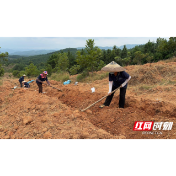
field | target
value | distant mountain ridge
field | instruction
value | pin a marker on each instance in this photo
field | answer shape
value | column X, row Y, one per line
column 129, row 46
column 25, row 52
column 32, row 52
column 72, row 50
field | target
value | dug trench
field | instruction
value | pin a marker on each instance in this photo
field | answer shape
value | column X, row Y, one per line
column 112, row 119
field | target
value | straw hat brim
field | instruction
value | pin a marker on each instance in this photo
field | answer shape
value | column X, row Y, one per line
column 113, row 68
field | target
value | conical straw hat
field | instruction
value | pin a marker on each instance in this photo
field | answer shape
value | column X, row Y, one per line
column 113, row 67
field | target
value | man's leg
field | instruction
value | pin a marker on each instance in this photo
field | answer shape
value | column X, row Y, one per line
column 109, row 98
column 122, row 97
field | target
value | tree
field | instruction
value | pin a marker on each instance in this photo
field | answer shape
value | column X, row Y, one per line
column 90, row 59
column 108, row 56
column 52, row 60
column 172, row 44
column 15, row 73
column 63, row 62
column 124, row 52
column 149, row 59
column 19, row 67
column 104, row 56
column 74, row 69
column 126, row 61
column 31, row 70
column 49, row 69
column 3, row 57
column 71, row 59
column 101, row 65
column 118, row 59
column 138, row 57
column 149, row 47
column 113, row 55
column 1, row 70
column 118, row 52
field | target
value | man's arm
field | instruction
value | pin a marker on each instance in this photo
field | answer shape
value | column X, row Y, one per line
column 110, row 86
column 124, row 84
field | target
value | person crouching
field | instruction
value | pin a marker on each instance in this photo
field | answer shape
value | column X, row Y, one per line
column 26, row 84
column 21, row 80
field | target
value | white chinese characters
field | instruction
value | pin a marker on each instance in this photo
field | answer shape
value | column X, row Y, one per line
column 167, row 125
column 157, row 125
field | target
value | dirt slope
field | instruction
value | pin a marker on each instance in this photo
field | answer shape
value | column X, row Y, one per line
column 24, row 113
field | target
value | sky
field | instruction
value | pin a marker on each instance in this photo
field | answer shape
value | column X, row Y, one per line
column 56, row 43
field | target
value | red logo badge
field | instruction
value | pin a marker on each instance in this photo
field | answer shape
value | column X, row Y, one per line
column 143, row 126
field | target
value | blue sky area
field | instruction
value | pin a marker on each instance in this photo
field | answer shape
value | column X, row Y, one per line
column 61, row 42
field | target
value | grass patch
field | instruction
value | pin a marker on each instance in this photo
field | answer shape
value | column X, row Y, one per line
column 145, row 87
column 91, row 77
column 167, row 82
column 1, row 82
column 62, row 76
column 82, row 76
column 173, row 59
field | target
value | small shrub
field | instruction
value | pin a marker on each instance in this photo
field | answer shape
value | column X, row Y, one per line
column 61, row 76
column 65, row 78
column 15, row 73
column 82, row 76
column 79, row 77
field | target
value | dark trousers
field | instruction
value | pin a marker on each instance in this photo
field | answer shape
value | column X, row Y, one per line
column 40, row 87
column 21, row 84
column 121, row 97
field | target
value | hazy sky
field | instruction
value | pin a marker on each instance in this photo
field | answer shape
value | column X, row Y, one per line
column 67, row 42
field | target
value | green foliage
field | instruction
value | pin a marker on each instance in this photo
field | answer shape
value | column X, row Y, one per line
column 61, row 76
column 1, row 70
column 49, row 69
column 138, row 57
column 62, row 62
column 74, row 70
column 32, row 70
column 52, row 60
column 149, row 58
column 65, row 78
column 82, row 76
column 3, row 57
column 101, row 65
column 71, row 58
column 21, row 73
column 118, row 59
column 89, row 60
column 149, row 47
column 124, row 52
column 16, row 73
column 19, row 67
